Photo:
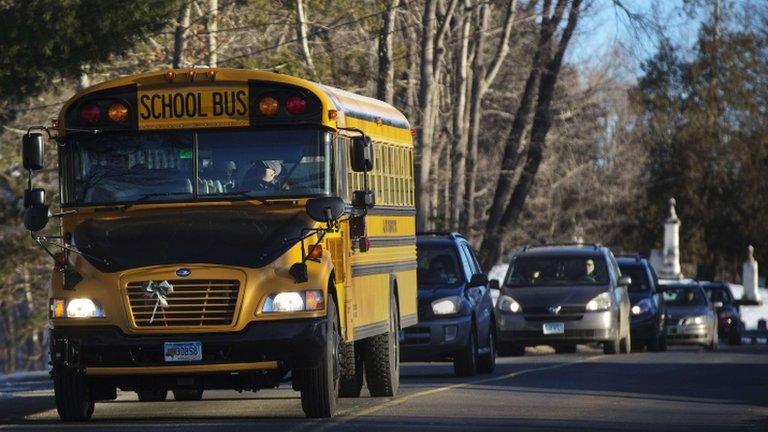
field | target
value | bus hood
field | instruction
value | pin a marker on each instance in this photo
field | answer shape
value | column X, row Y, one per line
column 236, row 236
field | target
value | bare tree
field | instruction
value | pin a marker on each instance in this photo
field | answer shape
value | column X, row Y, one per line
column 180, row 34
column 385, row 89
column 494, row 238
column 303, row 38
column 213, row 28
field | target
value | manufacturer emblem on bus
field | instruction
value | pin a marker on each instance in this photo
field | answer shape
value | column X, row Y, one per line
column 183, row 272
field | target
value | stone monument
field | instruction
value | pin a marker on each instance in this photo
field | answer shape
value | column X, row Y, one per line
column 749, row 277
column 670, row 266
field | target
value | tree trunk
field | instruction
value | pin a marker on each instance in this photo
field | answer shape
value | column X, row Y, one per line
column 180, row 35
column 385, row 89
column 490, row 250
column 301, row 33
column 213, row 28
column 426, row 108
column 460, row 120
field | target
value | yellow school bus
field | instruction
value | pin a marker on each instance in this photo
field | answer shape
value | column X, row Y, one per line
column 226, row 229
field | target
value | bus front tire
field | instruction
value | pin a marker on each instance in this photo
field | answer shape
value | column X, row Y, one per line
column 73, row 401
column 351, row 379
column 319, row 385
column 381, row 354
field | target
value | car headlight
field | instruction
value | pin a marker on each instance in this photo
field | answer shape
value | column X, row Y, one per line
column 75, row 308
column 694, row 320
column 294, row 301
column 446, row 306
column 508, row 304
column 643, row 306
column 600, row 302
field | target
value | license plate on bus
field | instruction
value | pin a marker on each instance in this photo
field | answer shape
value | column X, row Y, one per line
column 183, row 351
column 554, row 328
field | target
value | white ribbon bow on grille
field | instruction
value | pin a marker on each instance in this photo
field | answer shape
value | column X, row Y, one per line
column 160, row 291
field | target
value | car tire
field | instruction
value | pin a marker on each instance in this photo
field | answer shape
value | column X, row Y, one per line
column 510, row 349
column 612, row 346
column 663, row 342
column 152, row 395
column 73, row 401
column 381, row 357
column 319, row 385
column 654, row 343
column 565, row 348
column 188, row 394
column 351, row 378
column 487, row 363
column 734, row 337
column 626, row 344
column 641, row 346
column 465, row 361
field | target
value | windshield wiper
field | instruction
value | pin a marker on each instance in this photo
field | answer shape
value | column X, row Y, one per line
column 243, row 193
column 142, row 199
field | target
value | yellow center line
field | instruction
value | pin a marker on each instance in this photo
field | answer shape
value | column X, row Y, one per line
column 327, row 424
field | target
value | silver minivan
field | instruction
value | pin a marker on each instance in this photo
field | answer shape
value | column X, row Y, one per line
column 563, row 295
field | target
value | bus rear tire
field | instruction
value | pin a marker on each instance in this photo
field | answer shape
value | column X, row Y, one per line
column 381, row 354
column 320, row 385
column 351, row 380
column 73, row 401
column 188, row 394
column 152, row 395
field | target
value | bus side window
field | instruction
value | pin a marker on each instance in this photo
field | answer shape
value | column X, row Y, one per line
column 341, row 170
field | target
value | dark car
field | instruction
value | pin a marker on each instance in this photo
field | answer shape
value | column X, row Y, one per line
column 455, row 307
column 690, row 317
column 729, row 324
column 647, row 318
column 563, row 296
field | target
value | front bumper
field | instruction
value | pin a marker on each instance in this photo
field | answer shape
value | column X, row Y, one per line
column 695, row 334
column 436, row 339
column 107, row 351
column 582, row 328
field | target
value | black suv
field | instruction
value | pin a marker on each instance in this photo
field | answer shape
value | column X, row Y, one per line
column 455, row 308
column 729, row 324
column 647, row 319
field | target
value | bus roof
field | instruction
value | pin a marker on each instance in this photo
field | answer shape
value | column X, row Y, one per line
column 376, row 118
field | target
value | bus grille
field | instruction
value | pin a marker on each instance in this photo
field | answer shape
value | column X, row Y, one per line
column 193, row 302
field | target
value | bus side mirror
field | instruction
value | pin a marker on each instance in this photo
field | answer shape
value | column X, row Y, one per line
column 494, row 284
column 362, row 154
column 34, row 196
column 363, row 199
column 36, row 217
column 325, row 209
column 32, row 151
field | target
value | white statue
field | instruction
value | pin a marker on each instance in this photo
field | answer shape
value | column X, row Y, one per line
column 749, row 276
column 671, row 255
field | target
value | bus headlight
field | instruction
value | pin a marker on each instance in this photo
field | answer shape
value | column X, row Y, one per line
column 75, row 308
column 295, row 301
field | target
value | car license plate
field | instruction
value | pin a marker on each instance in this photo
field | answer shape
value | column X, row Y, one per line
column 554, row 328
column 183, row 351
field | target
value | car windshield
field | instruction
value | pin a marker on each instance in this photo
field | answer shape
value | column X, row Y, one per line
column 438, row 265
column 638, row 275
column 186, row 165
column 718, row 294
column 684, row 295
column 557, row 270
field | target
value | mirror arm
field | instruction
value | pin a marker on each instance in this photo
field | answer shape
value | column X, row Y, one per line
column 64, row 213
column 45, row 240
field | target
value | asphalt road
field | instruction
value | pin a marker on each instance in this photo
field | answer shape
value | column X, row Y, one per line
column 680, row 390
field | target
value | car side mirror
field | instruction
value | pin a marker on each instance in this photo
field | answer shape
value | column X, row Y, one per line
column 325, row 209
column 625, row 281
column 717, row 304
column 362, row 154
column 32, row 151
column 36, row 217
column 494, row 284
column 35, row 196
column 478, row 279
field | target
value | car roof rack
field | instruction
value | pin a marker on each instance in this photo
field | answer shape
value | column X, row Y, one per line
column 450, row 234
column 595, row 246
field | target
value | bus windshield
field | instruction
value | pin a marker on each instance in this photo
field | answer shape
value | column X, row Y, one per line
column 123, row 167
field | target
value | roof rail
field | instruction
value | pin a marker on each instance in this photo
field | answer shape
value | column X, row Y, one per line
column 593, row 245
column 450, row 234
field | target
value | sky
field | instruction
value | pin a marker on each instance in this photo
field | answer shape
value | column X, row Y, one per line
column 605, row 28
